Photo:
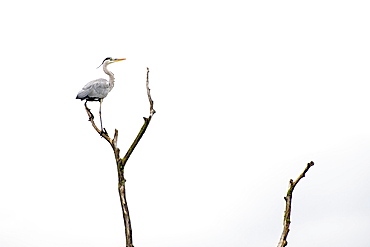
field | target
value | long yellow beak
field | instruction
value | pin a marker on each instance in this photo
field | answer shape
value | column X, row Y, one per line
column 119, row 59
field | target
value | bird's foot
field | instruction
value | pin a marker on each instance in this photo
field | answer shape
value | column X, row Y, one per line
column 103, row 131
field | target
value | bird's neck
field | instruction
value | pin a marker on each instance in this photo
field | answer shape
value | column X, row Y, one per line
column 111, row 76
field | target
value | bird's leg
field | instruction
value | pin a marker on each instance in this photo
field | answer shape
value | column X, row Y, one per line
column 101, row 123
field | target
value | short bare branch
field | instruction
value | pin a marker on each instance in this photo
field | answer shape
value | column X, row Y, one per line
column 104, row 134
column 152, row 111
column 288, row 206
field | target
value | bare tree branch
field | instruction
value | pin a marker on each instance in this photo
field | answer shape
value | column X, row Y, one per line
column 145, row 125
column 121, row 162
column 288, row 206
column 152, row 111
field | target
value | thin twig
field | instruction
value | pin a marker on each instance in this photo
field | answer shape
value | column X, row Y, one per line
column 121, row 162
column 152, row 111
column 288, row 206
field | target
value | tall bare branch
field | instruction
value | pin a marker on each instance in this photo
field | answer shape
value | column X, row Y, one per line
column 288, row 206
column 121, row 162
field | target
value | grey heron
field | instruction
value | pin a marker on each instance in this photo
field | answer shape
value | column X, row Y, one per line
column 98, row 89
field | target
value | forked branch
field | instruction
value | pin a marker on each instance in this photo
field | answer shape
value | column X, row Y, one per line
column 145, row 125
column 121, row 162
column 288, row 206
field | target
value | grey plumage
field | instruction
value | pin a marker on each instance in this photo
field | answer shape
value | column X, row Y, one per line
column 98, row 89
column 95, row 90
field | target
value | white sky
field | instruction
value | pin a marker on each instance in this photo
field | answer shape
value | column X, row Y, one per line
column 246, row 92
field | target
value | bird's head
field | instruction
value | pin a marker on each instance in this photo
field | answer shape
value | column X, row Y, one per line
column 110, row 60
